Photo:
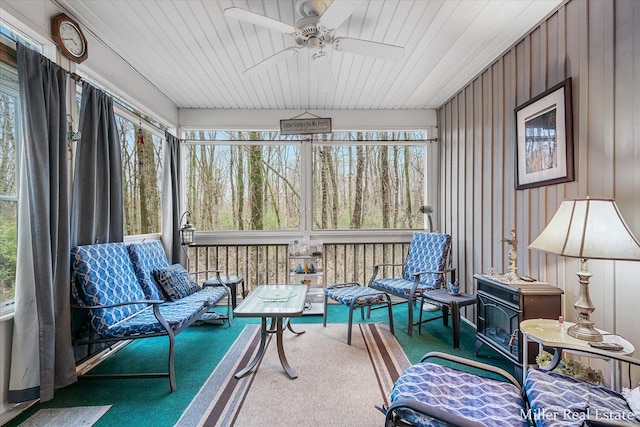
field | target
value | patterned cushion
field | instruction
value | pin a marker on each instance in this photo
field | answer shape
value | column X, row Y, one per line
column 175, row 313
column 146, row 257
column 175, row 282
column 364, row 296
column 487, row 401
column 104, row 276
column 558, row 400
column 397, row 285
column 209, row 295
column 427, row 252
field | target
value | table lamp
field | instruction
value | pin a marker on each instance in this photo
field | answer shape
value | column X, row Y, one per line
column 588, row 229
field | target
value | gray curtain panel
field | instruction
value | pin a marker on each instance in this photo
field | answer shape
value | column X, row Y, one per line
column 41, row 357
column 97, row 213
column 172, row 198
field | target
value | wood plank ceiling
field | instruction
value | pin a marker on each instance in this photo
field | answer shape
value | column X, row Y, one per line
column 196, row 56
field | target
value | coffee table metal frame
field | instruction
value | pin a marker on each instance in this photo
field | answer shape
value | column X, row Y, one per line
column 278, row 303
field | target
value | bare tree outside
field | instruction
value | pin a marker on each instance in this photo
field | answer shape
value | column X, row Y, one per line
column 256, row 183
column 253, row 180
column 8, row 195
column 141, row 177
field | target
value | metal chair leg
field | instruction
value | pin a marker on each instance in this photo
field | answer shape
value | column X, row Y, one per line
column 350, row 324
column 324, row 314
column 390, row 314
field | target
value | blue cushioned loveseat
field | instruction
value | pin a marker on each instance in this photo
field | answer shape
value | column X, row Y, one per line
column 116, row 284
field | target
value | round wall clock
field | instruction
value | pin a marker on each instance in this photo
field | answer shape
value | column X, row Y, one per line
column 69, row 37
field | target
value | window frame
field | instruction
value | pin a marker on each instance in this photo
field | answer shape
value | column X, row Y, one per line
column 142, row 122
column 8, row 57
column 306, row 209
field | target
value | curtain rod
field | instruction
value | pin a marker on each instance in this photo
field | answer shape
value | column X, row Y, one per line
column 300, row 140
column 78, row 79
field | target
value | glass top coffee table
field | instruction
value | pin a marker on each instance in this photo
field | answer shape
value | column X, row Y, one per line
column 279, row 303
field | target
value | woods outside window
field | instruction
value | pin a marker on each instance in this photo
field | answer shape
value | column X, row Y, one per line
column 266, row 181
column 10, row 134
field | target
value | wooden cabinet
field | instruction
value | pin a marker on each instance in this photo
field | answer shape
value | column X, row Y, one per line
column 503, row 304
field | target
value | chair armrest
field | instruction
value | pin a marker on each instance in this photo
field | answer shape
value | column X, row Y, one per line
column 197, row 274
column 146, row 301
column 431, row 411
column 217, row 274
column 388, row 264
column 206, row 271
column 377, row 266
column 473, row 364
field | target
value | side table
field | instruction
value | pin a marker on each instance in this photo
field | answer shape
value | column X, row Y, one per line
column 551, row 333
column 448, row 302
column 232, row 282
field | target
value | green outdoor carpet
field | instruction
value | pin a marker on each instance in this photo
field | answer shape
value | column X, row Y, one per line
column 137, row 402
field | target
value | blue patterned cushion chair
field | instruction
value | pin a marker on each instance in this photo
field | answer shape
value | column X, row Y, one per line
column 560, row 401
column 433, row 395
column 149, row 258
column 427, row 263
column 106, row 285
column 355, row 296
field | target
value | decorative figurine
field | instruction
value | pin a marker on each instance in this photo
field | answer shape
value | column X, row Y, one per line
column 513, row 253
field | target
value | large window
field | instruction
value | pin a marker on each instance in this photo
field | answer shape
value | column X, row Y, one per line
column 9, row 138
column 142, row 160
column 263, row 181
column 251, row 181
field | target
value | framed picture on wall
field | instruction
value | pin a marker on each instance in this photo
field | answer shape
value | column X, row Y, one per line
column 544, row 139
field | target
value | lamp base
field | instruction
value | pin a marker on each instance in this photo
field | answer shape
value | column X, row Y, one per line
column 585, row 332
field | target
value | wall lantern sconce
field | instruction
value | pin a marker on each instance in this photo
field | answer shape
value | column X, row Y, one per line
column 188, row 231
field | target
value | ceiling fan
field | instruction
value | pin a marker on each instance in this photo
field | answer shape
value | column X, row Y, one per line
column 315, row 30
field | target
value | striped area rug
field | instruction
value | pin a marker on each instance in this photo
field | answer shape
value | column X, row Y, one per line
column 337, row 384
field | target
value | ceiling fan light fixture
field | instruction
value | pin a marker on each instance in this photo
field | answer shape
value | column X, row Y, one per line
column 319, row 54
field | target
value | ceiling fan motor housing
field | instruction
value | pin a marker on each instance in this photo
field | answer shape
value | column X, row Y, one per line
column 310, row 31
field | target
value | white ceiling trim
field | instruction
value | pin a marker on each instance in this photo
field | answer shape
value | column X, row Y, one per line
column 383, row 120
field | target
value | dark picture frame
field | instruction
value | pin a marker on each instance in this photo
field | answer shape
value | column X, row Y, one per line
column 544, row 138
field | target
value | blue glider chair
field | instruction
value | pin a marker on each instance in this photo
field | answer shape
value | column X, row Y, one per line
column 427, row 263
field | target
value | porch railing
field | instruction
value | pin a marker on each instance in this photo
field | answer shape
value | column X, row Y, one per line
column 268, row 263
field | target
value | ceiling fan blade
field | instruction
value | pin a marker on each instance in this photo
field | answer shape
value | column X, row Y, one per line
column 257, row 19
column 325, row 73
column 271, row 61
column 338, row 12
column 385, row 51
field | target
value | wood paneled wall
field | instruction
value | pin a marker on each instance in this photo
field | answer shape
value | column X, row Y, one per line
column 597, row 44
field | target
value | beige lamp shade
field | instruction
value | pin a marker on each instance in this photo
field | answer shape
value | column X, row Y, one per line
column 588, row 229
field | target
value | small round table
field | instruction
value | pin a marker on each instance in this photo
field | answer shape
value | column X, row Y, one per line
column 448, row 302
column 551, row 333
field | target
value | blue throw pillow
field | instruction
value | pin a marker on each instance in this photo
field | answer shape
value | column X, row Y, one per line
column 175, row 282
